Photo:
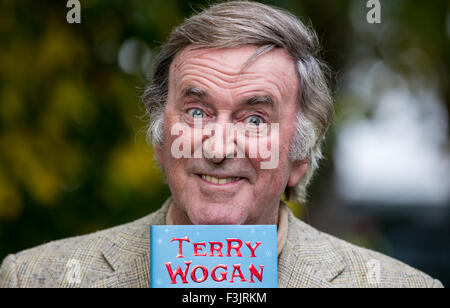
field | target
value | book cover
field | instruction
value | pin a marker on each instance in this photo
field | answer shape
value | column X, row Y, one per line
column 213, row 256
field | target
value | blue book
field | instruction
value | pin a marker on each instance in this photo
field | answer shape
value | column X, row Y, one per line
column 213, row 256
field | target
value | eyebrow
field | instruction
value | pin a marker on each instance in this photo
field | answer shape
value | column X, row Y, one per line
column 194, row 91
column 254, row 100
column 260, row 99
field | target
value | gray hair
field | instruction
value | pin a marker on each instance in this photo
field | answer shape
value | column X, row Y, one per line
column 238, row 23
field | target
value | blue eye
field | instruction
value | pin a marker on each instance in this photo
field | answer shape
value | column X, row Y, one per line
column 254, row 120
column 196, row 113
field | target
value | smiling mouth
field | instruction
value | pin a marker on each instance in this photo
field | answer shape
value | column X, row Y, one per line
column 219, row 181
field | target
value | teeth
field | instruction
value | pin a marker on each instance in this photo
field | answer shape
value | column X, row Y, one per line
column 218, row 181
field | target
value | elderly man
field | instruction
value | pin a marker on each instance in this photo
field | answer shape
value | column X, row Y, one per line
column 248, row 69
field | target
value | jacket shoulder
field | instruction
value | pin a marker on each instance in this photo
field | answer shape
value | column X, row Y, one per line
column 57, row 263
column 365, row 267
column 48, row 264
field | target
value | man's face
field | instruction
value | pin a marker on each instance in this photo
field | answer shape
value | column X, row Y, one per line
column 213, row 86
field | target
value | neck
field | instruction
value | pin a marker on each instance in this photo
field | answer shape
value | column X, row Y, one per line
column 177, row 216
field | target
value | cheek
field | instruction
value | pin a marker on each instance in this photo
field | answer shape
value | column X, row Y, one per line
column 273, row 179
column 261, row 145
column 170, row 152
column 268, row 151
column 271, row 182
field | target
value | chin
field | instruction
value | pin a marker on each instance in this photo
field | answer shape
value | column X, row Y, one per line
column 221, row 216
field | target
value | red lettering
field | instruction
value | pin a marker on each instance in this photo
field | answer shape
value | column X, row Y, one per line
column 178, row 271
column 197, row 249
column 218, row 249
column 253, row 271
column 180, row 245
column 237, row 268
column 252, row 249
column 236, row 247
column 224, row 274
column 204, row 276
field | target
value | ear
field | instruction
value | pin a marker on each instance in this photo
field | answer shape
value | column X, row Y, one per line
column 298, row 170
column 159, row 154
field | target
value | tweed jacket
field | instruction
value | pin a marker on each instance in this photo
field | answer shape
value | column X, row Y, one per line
column 120, row 257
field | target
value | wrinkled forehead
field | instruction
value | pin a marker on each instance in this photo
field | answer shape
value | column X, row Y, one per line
column 233, row 65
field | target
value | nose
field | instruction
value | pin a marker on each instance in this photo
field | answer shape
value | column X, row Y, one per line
column 218, row 145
